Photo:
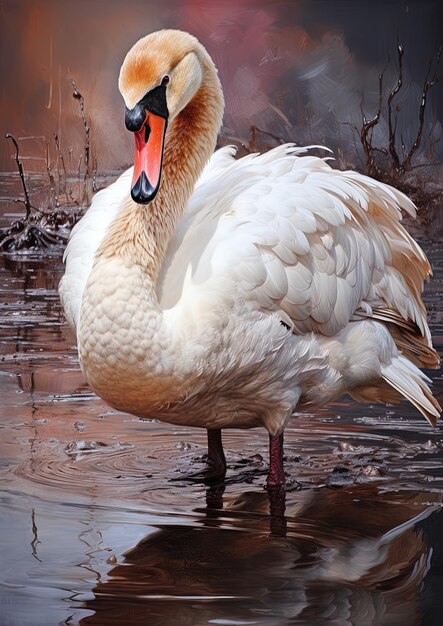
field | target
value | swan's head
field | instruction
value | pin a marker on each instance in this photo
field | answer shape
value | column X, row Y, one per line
column 160, row 75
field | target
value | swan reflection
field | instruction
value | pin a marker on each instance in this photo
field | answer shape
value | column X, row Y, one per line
column 345, row 556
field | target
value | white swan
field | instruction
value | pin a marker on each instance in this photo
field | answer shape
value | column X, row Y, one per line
column 232, row 292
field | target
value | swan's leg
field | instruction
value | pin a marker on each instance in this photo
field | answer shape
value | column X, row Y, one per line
column 277, row 507
column 276, row 474
column 216, row 457
column 215, row 466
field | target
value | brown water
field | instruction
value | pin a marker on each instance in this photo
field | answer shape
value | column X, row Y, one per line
column 100, row 527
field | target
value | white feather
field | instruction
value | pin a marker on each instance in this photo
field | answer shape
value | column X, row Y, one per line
column 84, row 241
column 312, row 220
column 294, row 240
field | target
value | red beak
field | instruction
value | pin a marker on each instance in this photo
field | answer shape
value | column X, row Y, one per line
column 148, row 157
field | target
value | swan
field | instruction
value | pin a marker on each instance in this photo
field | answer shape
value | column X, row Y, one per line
column 220, row 293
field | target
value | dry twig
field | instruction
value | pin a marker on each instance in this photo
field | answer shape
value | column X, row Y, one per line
column 396, row 165
column 26, row 201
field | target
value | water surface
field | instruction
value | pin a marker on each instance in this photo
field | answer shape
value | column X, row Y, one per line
column 99, row 525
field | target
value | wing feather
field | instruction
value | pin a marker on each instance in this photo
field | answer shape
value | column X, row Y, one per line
column 296, row 236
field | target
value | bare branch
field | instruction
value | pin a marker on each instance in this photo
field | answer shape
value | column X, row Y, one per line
column 50, row 174
column 392, row 127
column 50, row 226
column 78, row 96
column 427, row 85
column 60, row 159
column 253, row 146
column 368, row 126
column 27, row 201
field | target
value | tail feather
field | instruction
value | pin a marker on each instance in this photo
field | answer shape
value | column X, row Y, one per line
column 415, row 345
column 408, row 380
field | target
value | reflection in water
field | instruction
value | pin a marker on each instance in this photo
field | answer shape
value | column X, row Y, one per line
column 341, row 560
column 100, row 526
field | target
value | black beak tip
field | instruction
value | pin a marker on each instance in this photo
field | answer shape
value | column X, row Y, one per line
column 143, row 192
column 134, row 118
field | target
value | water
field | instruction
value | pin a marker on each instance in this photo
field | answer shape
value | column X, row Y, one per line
column 99, row 525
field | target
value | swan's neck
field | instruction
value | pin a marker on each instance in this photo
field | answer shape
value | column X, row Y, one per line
column 141, row 233
column 126, row 347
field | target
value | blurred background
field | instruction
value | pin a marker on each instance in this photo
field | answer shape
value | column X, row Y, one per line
column 304, row 71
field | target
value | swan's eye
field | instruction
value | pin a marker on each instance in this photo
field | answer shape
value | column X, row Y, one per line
column 165, row 80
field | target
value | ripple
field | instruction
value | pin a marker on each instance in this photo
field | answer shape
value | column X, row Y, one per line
column 91, row 465
column 101, row 525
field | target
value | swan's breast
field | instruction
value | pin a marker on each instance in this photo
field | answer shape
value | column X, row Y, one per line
column 124, row 348
column 86, row 237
